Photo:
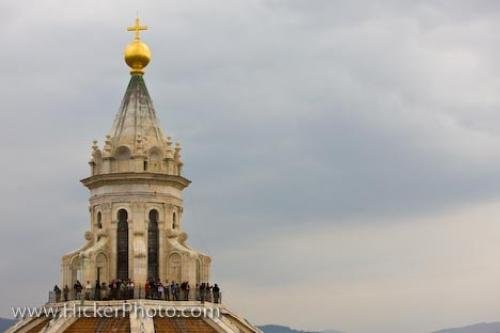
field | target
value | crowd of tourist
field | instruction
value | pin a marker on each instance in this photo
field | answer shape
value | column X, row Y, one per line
column 126, row 289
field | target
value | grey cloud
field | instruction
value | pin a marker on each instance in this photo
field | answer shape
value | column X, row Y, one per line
column 292, row 115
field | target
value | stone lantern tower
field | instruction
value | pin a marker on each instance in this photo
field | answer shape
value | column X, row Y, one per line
column 136, row 234
column 136, row 204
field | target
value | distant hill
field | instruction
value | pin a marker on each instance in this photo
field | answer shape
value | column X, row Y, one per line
column 285, row 329
column 477, row 328
column 5, row 324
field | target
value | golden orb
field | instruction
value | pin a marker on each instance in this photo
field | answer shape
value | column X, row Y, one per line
column 137, row 56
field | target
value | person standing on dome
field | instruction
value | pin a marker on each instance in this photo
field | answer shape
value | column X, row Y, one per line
column 161, row 291
column 187, row 288
column 166, row 288
column 97, row 291
column 57, row 293
column 78, row 289
column 216, row 291
column 66, row 293
column 104, row 291
column 88, row 290
column 131, row 287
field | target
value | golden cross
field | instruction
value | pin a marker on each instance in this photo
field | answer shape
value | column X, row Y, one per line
column 137, row 28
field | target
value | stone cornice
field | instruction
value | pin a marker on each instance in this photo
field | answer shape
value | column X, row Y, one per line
column 135, row 178
column 148, row 197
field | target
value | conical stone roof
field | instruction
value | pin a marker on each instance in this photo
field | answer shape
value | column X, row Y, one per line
column 136, row 118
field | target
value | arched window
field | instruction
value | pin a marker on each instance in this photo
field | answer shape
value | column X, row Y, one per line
column 122, row 153
column 174, row 221
column 153, row 246
column 122, row 245
column 99, row 220
column 154, row 159
column 122, row 156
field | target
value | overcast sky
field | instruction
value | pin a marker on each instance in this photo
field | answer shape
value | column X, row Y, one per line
column 345, row 155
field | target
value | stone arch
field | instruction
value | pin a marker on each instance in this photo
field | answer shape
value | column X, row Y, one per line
column 151, row 207
column 155, row 157
column 122, row 206
column 122, row 245
column 155, row 152
column 122, row 153
column 174, row 267
column 122, row 157
column 76, row 270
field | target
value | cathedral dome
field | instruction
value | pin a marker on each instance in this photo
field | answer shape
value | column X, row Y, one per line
column 137, row 56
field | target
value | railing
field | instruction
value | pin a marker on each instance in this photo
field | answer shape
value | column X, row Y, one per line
column 115, row 294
